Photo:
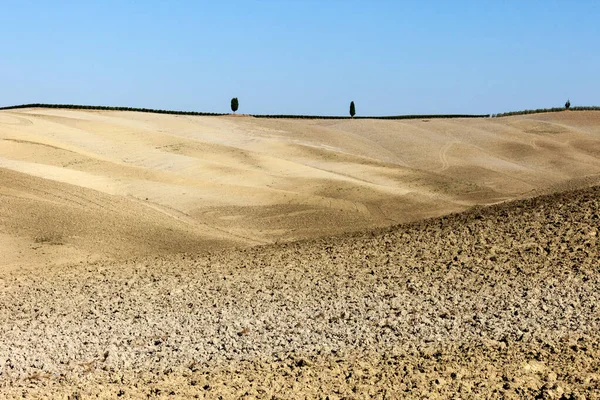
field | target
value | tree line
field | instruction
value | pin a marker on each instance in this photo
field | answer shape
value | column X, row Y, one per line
column 235, row 104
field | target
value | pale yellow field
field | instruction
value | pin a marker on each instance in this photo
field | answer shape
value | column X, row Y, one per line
column 82, row 185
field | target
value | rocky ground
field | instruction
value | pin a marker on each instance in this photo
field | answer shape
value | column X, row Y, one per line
column 498, row 302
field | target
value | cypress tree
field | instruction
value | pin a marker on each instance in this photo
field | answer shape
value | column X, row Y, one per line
column 352, row 109
column 234, row 104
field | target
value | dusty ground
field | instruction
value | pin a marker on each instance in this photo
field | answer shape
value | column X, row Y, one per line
column 120, row 276
column 79, row 186
column 495, row 302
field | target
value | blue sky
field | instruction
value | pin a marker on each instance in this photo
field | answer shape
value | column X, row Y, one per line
column 302, row 57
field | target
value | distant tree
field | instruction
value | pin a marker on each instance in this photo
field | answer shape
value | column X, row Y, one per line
column 352, row 109
column 234, row 104
column 568, row 104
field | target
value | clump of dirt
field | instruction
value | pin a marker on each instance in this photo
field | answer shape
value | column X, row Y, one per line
column 49, row 238
column 497, row 302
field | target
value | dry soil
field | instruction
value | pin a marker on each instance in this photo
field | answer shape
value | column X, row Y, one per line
column 89, row 185
column 130, row 266
column 498, row 302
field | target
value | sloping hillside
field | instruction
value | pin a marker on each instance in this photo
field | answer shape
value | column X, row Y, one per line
column 78, row 185
column 499, row 302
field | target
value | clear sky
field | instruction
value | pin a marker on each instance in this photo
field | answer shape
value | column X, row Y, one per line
column 303, row 56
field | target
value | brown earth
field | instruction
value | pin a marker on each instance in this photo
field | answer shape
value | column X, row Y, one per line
column 120, row 277
column 496, row 302
column 87, row 185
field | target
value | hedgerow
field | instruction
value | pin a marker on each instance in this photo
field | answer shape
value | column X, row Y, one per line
column 150, row 110
column 423, row 116
column 107, row 108
column 548, row 110
column 292, row 116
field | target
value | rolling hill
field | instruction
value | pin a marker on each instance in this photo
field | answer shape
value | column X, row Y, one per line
column 84, row 185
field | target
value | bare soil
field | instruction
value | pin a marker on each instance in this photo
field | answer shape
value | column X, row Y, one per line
column 496, row 302
column 78, row 186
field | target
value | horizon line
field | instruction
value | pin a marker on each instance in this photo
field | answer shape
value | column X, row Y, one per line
column 294, row 116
